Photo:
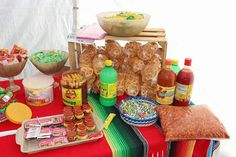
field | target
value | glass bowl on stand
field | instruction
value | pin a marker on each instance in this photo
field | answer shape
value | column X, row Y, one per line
column 50, row 68
column 10, row 71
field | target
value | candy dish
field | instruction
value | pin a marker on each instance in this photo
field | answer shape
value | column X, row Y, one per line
column 138, row 109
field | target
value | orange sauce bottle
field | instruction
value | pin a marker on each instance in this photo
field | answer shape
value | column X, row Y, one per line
column 166, row 85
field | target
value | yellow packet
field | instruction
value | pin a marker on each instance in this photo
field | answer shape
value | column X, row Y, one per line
column 108, row 120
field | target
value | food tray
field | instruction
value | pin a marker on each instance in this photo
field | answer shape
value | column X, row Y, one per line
column 31, row 147
column 140, row 100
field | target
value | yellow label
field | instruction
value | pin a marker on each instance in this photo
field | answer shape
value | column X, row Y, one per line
column 183, row 92
column 108, row 90
column 165, row 95
column 72, row 97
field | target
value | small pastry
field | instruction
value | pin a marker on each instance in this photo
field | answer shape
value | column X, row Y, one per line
column 90, row 125
column 79, row 114
column 86, row 108
column 78, row 121
column 82, row 135
column 81, row 127
column 71, row 136
column 66, row 123
column 71, row 127
column 68, row 116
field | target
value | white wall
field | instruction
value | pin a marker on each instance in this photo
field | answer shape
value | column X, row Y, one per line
column 201, row 29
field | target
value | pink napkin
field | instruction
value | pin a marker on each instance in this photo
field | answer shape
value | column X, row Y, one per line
column 93, row 32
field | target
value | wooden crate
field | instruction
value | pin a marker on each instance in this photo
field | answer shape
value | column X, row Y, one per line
column 148, row 35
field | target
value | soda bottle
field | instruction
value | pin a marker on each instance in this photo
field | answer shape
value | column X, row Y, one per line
column 184, row 84
column 175, row 66
column 108, row 85
column 166, row 85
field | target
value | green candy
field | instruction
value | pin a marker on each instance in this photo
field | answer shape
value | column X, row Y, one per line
column 48, row 57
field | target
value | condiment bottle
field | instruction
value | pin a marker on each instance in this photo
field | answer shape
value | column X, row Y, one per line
column 108, row 84
column 166, row 85
column 184, row 84
column 175, row 66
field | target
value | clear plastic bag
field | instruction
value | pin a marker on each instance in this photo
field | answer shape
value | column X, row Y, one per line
column 148, row 91
column 99, row 63
column 136, row 64
column 121, row 84
column 132, row 48
column 132, row 84
column 113, row 49
column 148, row 51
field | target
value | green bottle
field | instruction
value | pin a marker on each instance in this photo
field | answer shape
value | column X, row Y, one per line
column 175, row 66
column 108, row 84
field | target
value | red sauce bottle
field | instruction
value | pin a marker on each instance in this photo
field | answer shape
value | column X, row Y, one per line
column 166, row 85
column 184, row 84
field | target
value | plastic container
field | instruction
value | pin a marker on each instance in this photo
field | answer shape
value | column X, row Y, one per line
column 38, row 90
column 108, row 85
column 175, row 66
column 184, row 84
column 74, row 88
column 122, row 27
column 166, row 85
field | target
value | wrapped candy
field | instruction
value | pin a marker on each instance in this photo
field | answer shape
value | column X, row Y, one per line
column 101, row 50
column 96, row 85
column 86, row 71
column 148, row 51
column 136, row 64
column 17, row 54
column 132, row 84
column 99, row 63
column 85, row 58
column 121, row 84
column 132, row 48
column 3, row 54
column 113, row 49
column 150, row 72
column 117, row 63
column 148, row 91
column 91, row 81
column 90, row 49
column 88, row 54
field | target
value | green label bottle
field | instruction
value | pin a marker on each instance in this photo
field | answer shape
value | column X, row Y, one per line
column 175, row 66
column 108, row 85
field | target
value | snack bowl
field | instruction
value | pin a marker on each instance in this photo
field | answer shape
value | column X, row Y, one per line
column 9, row 71
column 52, row 67
column 135, row 123
column 114, row 24
column 138, row 109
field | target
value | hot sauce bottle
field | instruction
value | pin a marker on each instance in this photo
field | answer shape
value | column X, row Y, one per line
column 184, row 84
column 166, row 85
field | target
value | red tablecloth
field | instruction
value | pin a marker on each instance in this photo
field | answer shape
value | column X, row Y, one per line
column 99, row 148
column 10, row 148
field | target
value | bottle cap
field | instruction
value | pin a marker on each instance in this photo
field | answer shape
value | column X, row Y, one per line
column 188, row 61
column 168, row 61
column 108, row 63
column 175, row 62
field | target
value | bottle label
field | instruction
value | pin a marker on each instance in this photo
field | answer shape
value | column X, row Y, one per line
column 165, row 95
column 108, row 90
column 183, row 92
column 72, row 97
